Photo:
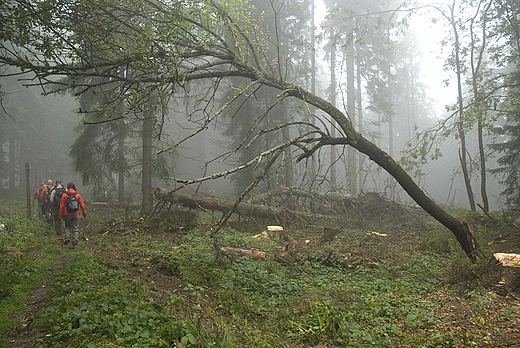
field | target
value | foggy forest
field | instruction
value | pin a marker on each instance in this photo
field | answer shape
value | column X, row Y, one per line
column 377, row 79
column 156, row 108
column 287, row 106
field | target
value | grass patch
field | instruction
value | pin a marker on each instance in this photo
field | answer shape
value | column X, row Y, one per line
column 94, row 306
column 138, row 285
column 27, row 253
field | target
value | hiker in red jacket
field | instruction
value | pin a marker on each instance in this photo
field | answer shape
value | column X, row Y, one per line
column 70, row 205
column 36, row 195
column 46, row 202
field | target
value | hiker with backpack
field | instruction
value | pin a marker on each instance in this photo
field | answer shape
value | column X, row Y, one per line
column 70, row 205
column 57, row 191
column 45, row 198
column 36, row 195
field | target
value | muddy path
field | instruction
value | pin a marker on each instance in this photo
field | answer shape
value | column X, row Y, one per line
column 23, row 334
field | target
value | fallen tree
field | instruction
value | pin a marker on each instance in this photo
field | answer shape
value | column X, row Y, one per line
column 301, row 193
column 96, row 52
column 212, row 203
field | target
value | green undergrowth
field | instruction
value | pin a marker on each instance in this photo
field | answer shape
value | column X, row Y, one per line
column 145, row 286
column 494, row 233
column 27, row 253
column 312, row 303
column 316, row 300
column 94, row 306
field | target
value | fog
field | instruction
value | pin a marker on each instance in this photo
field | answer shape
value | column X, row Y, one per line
column 40, row 130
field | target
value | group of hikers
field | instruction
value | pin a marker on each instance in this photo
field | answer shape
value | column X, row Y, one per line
column 57, row 203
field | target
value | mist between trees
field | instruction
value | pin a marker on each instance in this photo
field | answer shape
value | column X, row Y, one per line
column 236, row 99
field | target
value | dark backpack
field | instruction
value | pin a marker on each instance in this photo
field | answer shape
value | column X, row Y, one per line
column 72, row 203
column 57, row 196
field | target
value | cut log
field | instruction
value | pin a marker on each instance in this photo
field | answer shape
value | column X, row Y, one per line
column 508, row 260
column 237, row 252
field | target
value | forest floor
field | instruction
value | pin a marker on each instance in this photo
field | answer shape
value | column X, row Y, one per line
column 472, row 306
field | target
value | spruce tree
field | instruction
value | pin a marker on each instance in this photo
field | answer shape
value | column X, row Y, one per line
column 510, row 151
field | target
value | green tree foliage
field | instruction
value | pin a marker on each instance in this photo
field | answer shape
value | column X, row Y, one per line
column 483, row 44
column 508, row 145
column 167, row 45
column 506, row 55
column 99, row 151
column 96, row 154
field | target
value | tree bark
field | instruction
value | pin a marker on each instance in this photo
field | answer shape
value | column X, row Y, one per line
column 478, row 99
column 483, row 173
column 147, row 189
column 120, row 165
column 333, row 102
column 301, row 193
column 351, row 107
column 211, row 203
column 460, row 123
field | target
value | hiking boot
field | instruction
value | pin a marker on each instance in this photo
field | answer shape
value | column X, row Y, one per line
column 67, row 241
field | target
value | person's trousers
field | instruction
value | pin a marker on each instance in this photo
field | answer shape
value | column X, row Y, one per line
column 72, row 228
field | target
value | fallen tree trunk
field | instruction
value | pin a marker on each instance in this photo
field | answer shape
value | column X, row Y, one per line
column 298, row 192
column 187, row 62
column 460, row 229
column 211, row 203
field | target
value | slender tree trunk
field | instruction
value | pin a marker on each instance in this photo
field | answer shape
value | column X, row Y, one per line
column 460, row 126
column 391, row 152
column 313, row 83
column 147, row 189
column 476, row 67
column 12, row 164
column 121, row 169
column 482, row 154
column 351, row 107
column 380, row 135
column 249, row 153
column 333, row 102
column 288, row 165
column 361, row 175
column 412, row 106
column 266, row 96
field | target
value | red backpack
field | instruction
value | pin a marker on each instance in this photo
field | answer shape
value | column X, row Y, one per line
column 40, row 196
